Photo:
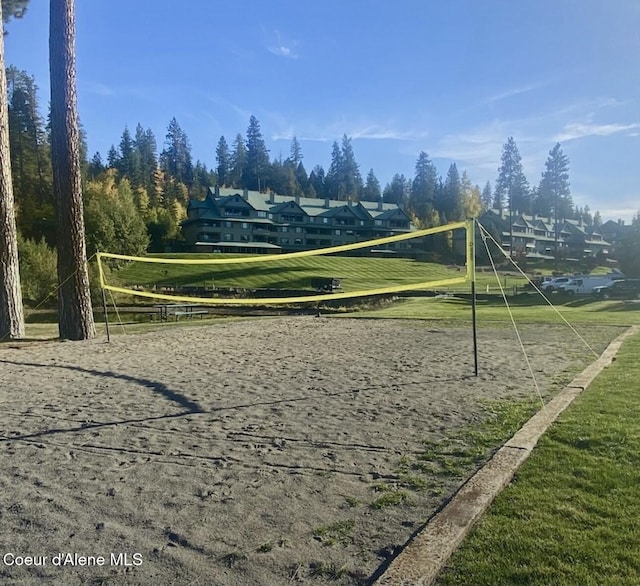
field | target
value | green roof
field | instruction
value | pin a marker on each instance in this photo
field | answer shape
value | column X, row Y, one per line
column 273, row 202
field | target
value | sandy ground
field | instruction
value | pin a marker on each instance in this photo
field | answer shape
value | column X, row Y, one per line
column 244, row 452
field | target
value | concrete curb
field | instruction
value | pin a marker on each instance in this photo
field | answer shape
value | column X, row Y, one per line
column 422, row 559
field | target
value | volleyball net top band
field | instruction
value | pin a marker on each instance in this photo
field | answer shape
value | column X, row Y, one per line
column 424, row 282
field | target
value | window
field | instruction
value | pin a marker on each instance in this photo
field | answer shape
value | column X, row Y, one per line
column 284, row 228
column 228, row 237
column 245, row 226
column 298, row 241
column 236, row 212
column 290, row 218
column 298, row 230
column 337, row 232
column 262, row 214
column 284, row 241
column 228, row 224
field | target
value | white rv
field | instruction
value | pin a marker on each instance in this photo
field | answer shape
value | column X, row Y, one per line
column 584, row 285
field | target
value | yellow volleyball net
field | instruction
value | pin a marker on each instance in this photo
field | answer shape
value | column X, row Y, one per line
column 381, row 266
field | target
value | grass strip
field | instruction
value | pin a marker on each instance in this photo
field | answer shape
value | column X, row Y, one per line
column 526, row 308
column 571, row 514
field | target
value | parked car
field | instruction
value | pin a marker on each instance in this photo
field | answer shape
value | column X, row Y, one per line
column 622, row 289
column 555, row 283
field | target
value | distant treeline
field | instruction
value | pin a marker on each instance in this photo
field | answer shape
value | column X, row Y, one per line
column 137, row 197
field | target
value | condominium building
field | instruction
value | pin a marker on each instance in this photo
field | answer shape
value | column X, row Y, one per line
column 232, row 220
column 536, row 236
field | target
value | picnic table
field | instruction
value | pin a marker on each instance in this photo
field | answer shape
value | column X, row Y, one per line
column 177, row 310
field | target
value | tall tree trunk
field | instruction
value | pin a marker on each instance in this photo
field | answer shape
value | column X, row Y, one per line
column 11, row 310
column 75, row 313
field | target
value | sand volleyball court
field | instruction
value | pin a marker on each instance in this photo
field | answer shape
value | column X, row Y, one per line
column 289, row 450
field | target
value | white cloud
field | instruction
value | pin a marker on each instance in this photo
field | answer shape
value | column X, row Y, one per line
column 480, row 148
column 101, row 89
column 279, row 47
column 578, row 130
column 282, row 51
column 514, row 92
column 376, row 132
column 336, row 130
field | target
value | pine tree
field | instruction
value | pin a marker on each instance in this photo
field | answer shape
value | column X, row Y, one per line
column 11, row 309
column 175, row 159
column 96, row 167
column 145, row 161
column 223, row 160
column 282, row 180
column 75, row 314
column 512, row 185
column 398, row 191
column 554, row 194
column 202, row 179
column 112, row 158
column 498, row 201
column 295, row 154
column 301, row 178
column 30, row 157
column 449, row 203
column 256, row 171
column 238, row 162
column 351, row 178
column 317, row 182
column 424, row 190
column 487, row 197
column 334, row 187
column 597, row 219
column 371, row 190
column 126, row 163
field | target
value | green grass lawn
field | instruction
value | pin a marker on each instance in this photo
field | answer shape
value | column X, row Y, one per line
column 526, row 308
column 355, row 273
column 571, row 514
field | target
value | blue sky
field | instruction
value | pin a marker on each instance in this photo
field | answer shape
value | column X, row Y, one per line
column 453, row 78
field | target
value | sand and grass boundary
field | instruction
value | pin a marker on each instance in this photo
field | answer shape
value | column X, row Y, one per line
column 423, row 558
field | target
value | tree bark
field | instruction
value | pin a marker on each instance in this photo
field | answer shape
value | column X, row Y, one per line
column 11, row 310
column 75, row 312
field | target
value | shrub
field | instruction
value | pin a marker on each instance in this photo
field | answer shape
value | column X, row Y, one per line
column 37, row 270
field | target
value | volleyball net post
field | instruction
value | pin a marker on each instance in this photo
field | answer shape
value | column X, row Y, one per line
column 471, row 273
